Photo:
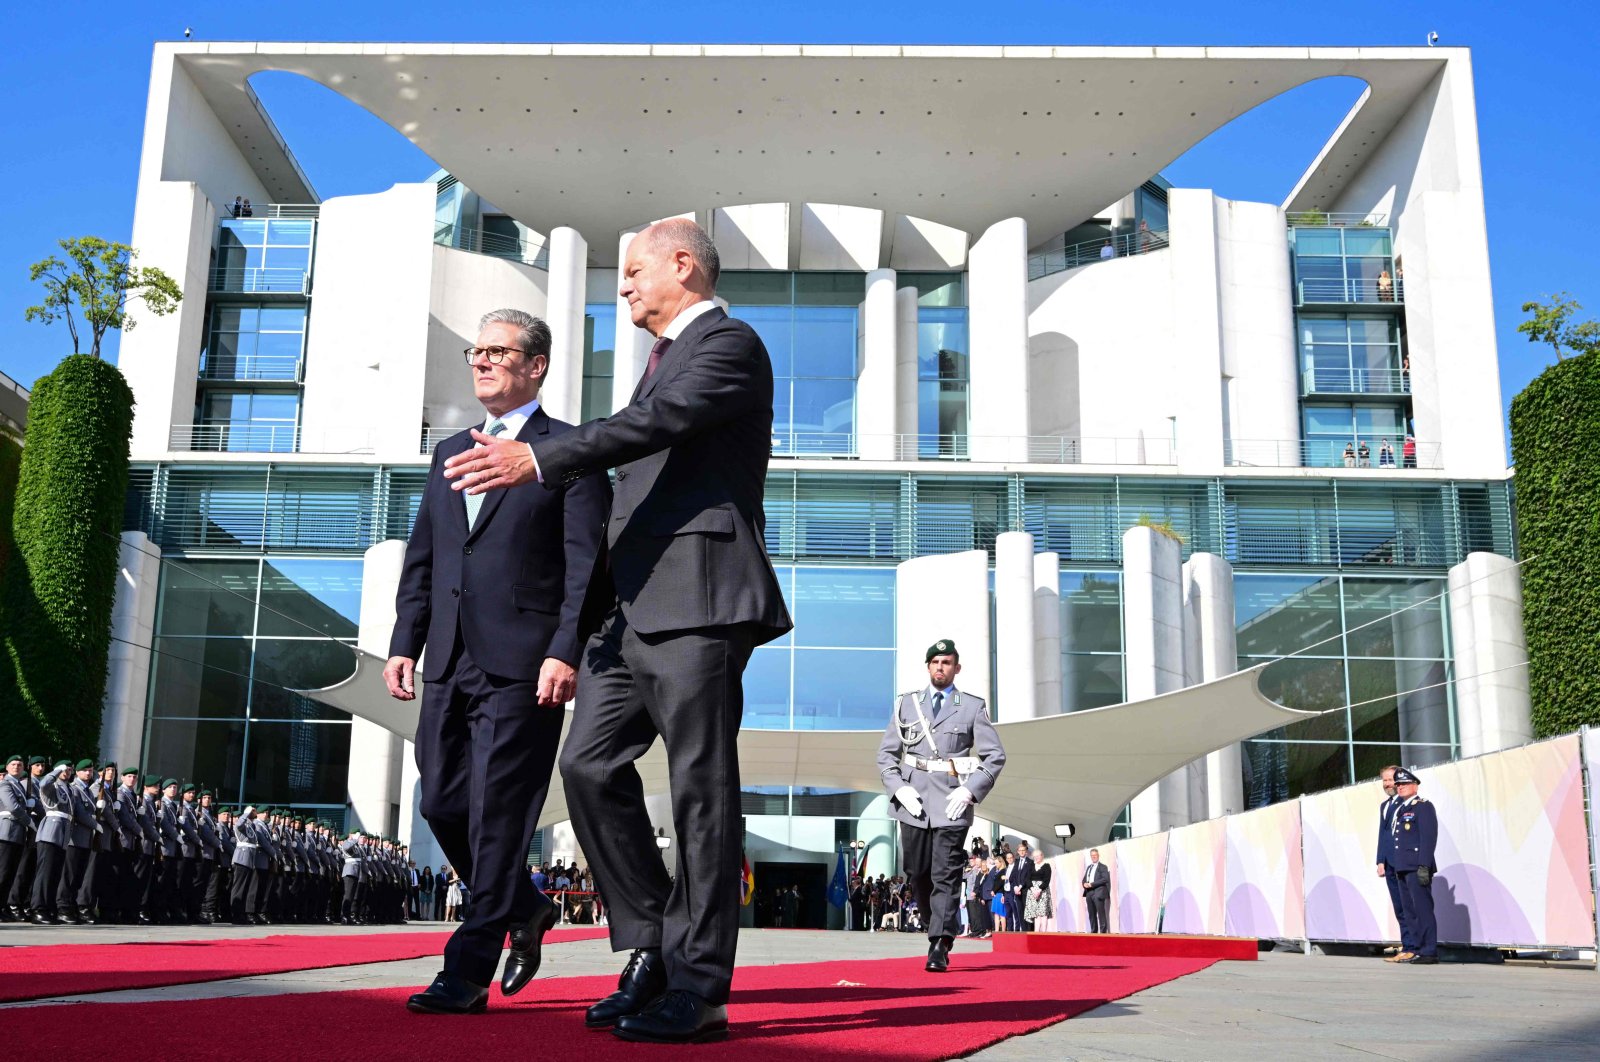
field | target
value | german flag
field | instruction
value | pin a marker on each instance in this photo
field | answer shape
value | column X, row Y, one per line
column 747, row 882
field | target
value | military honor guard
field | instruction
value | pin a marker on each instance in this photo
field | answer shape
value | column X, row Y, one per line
column 16, row 830
column 939, row 758
column 1414, row 828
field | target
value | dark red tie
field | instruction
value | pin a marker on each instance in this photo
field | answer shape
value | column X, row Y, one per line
column 657, row 352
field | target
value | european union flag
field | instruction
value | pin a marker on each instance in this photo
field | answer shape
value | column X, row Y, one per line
column 839, row 890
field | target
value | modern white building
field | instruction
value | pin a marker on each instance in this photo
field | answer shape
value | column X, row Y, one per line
column 1001, row 340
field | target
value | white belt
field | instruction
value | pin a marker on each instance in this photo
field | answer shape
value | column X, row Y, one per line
column 246, row 844
column 956, row 765
column 57, row 814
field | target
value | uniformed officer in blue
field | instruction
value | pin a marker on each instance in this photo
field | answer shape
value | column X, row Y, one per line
column 940, row 756
column 1415, row 829
column 1386, row 811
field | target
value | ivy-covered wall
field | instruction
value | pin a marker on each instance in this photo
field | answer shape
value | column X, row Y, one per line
column 10, row 462
column 1555, row 441
column 60, row 582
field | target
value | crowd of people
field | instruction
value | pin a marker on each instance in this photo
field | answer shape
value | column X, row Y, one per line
column 82, row 843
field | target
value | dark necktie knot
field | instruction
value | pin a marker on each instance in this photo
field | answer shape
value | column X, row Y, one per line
column 657, row 352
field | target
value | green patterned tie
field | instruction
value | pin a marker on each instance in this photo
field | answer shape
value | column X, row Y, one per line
column 475, row 501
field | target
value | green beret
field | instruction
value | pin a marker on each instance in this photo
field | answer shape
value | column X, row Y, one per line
column 940, row 648
column 13, row 759
column 109, row 763
column 153, row 779
column 206, row 793
column 84, row 765
column 40, row 760
column 187, row 787
column 132, row 768
column 61, row 763
column 168, row 781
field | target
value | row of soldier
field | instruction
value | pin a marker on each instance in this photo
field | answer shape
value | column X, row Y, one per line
column 84, row 844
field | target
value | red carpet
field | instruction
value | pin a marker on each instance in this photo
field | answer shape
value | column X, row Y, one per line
column 46, row 970
column 1122, row 945
column 890, row 1012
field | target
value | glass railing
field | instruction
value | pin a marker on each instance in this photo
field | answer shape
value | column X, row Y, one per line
column 236, row 438
column 260, row 281
column 273, row 367
column 1005, row 449
column 1330, row 453
column 273, row 210
column 493, row 244
column 1312, row 219
column 1354, row 290
column 1090, row 251
column 1356, row 382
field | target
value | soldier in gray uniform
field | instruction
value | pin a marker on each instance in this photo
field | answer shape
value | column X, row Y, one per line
column 80, row 847
column 205, row 827
column 246, row 853
column 149, row 813
column 940, row 756
column 22, row 887
column 350, row 876
column 221, row 884
column 97, row 892
column 167, row 825
column 50, row 848
column 188, row 903
column 15, row 826
column 127, row 861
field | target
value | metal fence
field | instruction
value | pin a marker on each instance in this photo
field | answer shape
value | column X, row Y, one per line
column 1142, row 241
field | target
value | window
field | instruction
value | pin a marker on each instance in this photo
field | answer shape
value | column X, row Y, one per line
column 1344, row 265
column 808, row 322
column 599, row 358
column 943, row 363
column 264, row 255
column 1091, row 640
column 1351, row 355
column 248, row 421
column 1331, row 429
column 259, row 341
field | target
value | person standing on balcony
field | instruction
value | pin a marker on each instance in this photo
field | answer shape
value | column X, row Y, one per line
column 1109, row 250
column 1408, row 451
column 1349, row 455
column 1385, row 454
column 683, row 595
column 1385, row 287
column 1363, row 455
column 491, row 586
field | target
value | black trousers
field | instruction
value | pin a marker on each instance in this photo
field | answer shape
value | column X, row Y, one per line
column 1417, row 899
column 49, row 864
column 347, row 908
column 11, row 853
column 933, row 859
column 242, row 901
column 685, row 687
column 485, row 749
column 261, row 883
column 92, row 882
column 1098, row 903
column 132, row 875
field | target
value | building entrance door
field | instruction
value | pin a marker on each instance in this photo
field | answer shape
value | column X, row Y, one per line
column 774, row 880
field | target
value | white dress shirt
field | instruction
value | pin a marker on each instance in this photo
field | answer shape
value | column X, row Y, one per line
column 685, row 318
column 513, row 420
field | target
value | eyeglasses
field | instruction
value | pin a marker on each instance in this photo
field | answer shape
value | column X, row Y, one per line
column 495, row 354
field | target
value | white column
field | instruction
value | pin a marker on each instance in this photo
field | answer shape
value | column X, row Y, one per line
column 1208, row 614
column 633, row 344
column 943, row 596
column 1015, row 691
column 375, row 753
column 1196, row 386
column 1152, row 640
column 905, row 373
column 1494, row 709
column 997, row 300
column 133, row 618
column 562, row 394
column 1047, row 633
column 877, row 400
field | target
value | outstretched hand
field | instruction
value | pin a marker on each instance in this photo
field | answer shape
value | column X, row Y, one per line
column 494, row 463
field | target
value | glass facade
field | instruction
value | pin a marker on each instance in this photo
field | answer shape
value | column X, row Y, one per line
column 1338, row 265
column 809, row 323
column 1354, row 646
column 1335, row 433
column 944, row 368
column 234, row 638
column 1351, row 354
column 599, row 357
column 264, row 255
column 1092, row 672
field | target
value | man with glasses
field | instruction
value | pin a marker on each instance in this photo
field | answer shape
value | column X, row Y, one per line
column 492, row 587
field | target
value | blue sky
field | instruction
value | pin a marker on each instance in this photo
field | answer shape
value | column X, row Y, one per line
column 75, row 83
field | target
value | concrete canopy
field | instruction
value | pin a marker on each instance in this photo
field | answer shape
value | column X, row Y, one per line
column 602, row 137
column 1081, row 768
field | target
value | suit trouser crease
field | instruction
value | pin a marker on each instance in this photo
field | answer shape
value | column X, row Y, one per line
column 687, row 688
column 485, row 749
column 934, row 858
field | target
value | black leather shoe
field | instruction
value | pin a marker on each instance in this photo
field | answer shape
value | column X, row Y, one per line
column 527, row 942
column 678, row 1017
column 450, row 994
column 1422, row 960
column 939, row 955
column 643, row 980
column 39, row 918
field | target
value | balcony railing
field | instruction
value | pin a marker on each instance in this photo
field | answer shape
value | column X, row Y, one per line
column 269, row 367
column 493, row 244
column 1345, row 292
column 260, row 281
column 1356, row 381
column 298, row 211
column 1311, row 219
column 1327, row 453
column 236, row 438
column 1090, row 251
column 998, row 449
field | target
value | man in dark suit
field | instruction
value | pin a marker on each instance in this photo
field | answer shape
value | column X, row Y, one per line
column 1097, row 893
column 683, row 594
column 1016, row 889
column 492, row 586
column 1386, row 812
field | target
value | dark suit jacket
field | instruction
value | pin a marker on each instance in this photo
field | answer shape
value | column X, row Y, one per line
column 1017, row 876
column 685, row 544
column 515, row 583
column 1102, row 882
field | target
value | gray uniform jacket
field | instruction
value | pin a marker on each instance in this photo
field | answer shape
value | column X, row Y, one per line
column 266, row 847
column 226, row 843
column 55, row 796
column 35, row 808
column 962, row 729
column 167, row 827
column 105, row 836
column 352, row 850
column 188, row 835
column 206, row 829
column 84, row 823
column 245, row 843
column 125, row 816
column 14, row 818
column 147, row 813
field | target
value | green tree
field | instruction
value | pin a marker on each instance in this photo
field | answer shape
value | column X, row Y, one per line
column 1552, row 323
column 60, row 582
column 1555, row 433
column 100, row 279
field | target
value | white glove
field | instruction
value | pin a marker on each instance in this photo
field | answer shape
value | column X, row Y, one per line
column 960, row 800
column 909, row 800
